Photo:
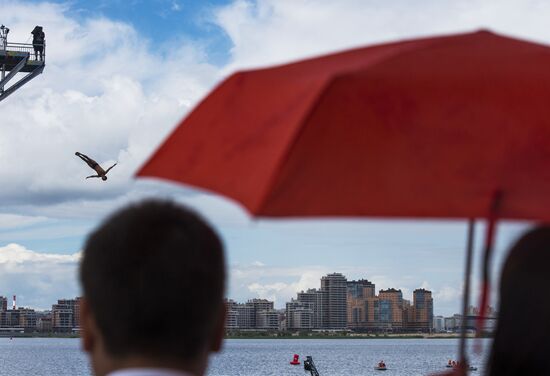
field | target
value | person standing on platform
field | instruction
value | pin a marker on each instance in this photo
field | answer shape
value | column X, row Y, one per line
column 38, row 40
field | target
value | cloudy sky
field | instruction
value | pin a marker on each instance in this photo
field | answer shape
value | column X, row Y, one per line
column 121, row 74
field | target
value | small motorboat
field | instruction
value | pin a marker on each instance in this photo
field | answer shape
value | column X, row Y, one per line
column 295, row 360
column 456, row 365
column 381, row 366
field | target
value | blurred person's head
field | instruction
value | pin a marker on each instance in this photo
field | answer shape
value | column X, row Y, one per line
column 522, row 339
column 104, row 178
column 153, row 278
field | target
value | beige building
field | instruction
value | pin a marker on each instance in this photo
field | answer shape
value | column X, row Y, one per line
column 361, row 297
column 391, row 308
column 422, row 311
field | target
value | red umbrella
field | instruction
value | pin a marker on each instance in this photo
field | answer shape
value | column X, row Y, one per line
column 424, row 128
column 445, row 127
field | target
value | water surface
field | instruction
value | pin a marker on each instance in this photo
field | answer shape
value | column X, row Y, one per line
column 251, row 357
column 245, row 357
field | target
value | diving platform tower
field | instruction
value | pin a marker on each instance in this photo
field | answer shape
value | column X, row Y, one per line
column 18, row 58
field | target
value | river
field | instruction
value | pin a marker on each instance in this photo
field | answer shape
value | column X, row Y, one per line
column 252, row 357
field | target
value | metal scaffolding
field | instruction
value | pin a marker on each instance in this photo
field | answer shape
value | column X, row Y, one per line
column 18, row 58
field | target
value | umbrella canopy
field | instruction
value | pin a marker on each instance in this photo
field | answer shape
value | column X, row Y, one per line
column 421, row 128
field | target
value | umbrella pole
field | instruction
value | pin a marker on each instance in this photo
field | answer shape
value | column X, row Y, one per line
column 466, row 292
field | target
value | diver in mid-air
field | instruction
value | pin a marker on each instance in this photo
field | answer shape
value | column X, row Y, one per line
column 101, row 173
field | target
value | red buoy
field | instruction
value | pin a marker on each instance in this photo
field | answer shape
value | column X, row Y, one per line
column 296, row 360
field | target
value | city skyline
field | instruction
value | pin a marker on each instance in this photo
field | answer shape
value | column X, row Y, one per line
column 228, row 297
column 337, row 305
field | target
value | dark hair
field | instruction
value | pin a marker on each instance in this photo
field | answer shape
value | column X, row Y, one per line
column 153, row 275
column 522, row 339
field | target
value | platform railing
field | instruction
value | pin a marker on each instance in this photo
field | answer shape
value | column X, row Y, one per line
column 26, row 47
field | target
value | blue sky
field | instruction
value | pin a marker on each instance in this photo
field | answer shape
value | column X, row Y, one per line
column 121, row 74
column 164, row 22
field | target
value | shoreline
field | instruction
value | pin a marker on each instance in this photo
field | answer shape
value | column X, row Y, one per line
column 39, row 335
column 351, row 336
column 260, row 335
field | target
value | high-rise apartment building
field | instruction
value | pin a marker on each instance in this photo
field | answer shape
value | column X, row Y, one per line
column 422, row 310
column 336, row 289
column 318, row 300
column 360, row 295
column 391, row 308
column 360, row 289
column 373, row 312
column 299, row 315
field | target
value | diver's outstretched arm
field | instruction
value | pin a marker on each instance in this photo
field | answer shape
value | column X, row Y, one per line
column 109, row 169
column 93, row 176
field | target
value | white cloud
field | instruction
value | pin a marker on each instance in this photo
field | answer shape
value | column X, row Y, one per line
column 448, row 294
column 273, row 31
column 271, row 291
column 279, row 284
column 38, row 279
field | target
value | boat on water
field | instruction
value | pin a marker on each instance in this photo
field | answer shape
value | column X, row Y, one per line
column 456, row 365
column 381, row 366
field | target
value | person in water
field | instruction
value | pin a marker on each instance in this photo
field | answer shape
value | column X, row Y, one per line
column 521, row 344
column 101, row 173
column 159, row 250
